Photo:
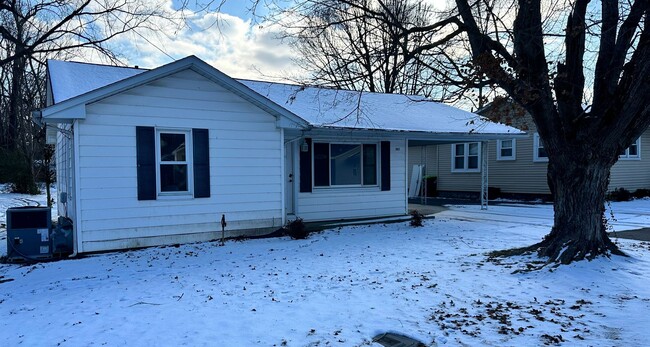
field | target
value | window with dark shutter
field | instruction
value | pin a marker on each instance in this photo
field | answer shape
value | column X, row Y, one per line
column 201, row 143
column 305, row 168
column 146, row 161
column 385, row 165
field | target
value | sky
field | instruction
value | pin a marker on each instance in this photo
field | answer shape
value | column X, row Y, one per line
column 234, row 40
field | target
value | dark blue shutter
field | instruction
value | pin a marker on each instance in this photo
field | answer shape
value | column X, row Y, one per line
column 385, row 165
column 145, row 138
column 305, row 168
column 201, row 143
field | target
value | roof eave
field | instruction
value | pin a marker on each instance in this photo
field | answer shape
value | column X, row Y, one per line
column 74, row 108
column 424, row 135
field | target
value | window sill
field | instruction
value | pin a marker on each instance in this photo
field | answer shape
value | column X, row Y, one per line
column 345, row 189
column 629, row 158
column 506, row 159
column 176, row 196
column 540, row 160
column 466, row 171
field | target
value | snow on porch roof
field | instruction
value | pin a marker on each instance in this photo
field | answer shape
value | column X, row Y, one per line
column 320, row 107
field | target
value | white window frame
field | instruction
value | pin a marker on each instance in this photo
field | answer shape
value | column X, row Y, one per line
column 465, row 158
column 514, row 150
column 627, row 156
column 189, row 153
column 536, row 146
column 329, row 158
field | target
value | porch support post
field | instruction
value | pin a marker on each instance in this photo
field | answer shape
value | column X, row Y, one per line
column 484, row 175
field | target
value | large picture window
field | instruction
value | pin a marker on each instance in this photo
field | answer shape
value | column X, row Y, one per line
column 633, row 152
column 465, row 157
column 173, row 162
column 344, row 164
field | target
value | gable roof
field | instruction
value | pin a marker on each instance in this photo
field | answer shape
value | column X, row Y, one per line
column 76, row 84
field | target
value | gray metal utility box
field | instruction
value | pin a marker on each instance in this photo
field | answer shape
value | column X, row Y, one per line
column 28, row 233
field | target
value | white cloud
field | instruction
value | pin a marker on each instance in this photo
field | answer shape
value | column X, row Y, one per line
column 238, row 47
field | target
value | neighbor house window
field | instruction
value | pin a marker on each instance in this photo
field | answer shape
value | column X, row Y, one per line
column 539, row 152
column 506, row 149
column 174, row 161
column 344, row 164
column 632, row 152
column 465, row 157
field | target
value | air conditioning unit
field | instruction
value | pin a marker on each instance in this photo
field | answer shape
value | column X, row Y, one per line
column 28, row 233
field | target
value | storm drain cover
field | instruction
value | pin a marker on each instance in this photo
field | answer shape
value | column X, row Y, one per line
column 396, row 340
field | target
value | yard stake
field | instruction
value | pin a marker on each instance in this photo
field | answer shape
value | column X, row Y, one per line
column 223, row 229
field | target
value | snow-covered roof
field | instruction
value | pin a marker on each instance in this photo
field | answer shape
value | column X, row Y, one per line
column 319, row 107
column 69, row 79
column 325, row 107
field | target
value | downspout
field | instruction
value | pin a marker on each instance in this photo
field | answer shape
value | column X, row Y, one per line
column 37, row 117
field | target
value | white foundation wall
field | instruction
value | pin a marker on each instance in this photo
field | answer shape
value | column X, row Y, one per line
column 245, row 166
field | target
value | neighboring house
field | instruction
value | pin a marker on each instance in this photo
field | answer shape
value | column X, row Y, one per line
column 517, row 167
column 152, row 157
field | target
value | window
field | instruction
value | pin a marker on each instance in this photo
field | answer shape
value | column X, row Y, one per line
column 539, row 152
column 506, row 149
column 465, row 157
column 173, row 162
column 633, row 152
column 344, row 164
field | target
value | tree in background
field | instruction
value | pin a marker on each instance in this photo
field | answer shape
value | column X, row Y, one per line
column 392, row 46
column 581, row 70
column 32, row 32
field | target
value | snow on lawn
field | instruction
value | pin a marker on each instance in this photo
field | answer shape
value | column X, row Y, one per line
column 340, row 287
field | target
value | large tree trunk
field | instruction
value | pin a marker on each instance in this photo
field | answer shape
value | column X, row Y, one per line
column 579, row 186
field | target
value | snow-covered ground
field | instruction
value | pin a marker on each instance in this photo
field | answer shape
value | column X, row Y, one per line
column 340, row 287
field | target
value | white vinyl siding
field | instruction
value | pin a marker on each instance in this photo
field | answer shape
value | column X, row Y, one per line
column 245, row 166
column 64, row 158
column 362, row 201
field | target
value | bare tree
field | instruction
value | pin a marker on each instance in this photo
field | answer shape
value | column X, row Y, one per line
column 581, row 71
column 33, row 31
column 390, row 46
column 583, row 140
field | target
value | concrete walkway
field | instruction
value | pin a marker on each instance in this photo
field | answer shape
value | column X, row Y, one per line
column 642, row 234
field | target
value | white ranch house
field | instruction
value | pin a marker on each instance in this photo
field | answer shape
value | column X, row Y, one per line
column 153, row 157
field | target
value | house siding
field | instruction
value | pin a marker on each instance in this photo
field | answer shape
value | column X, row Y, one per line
column 525, row 176
column 245, row 166
column 423, row 155
column 324, row 204
column 64, row 158
column 633, row 174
